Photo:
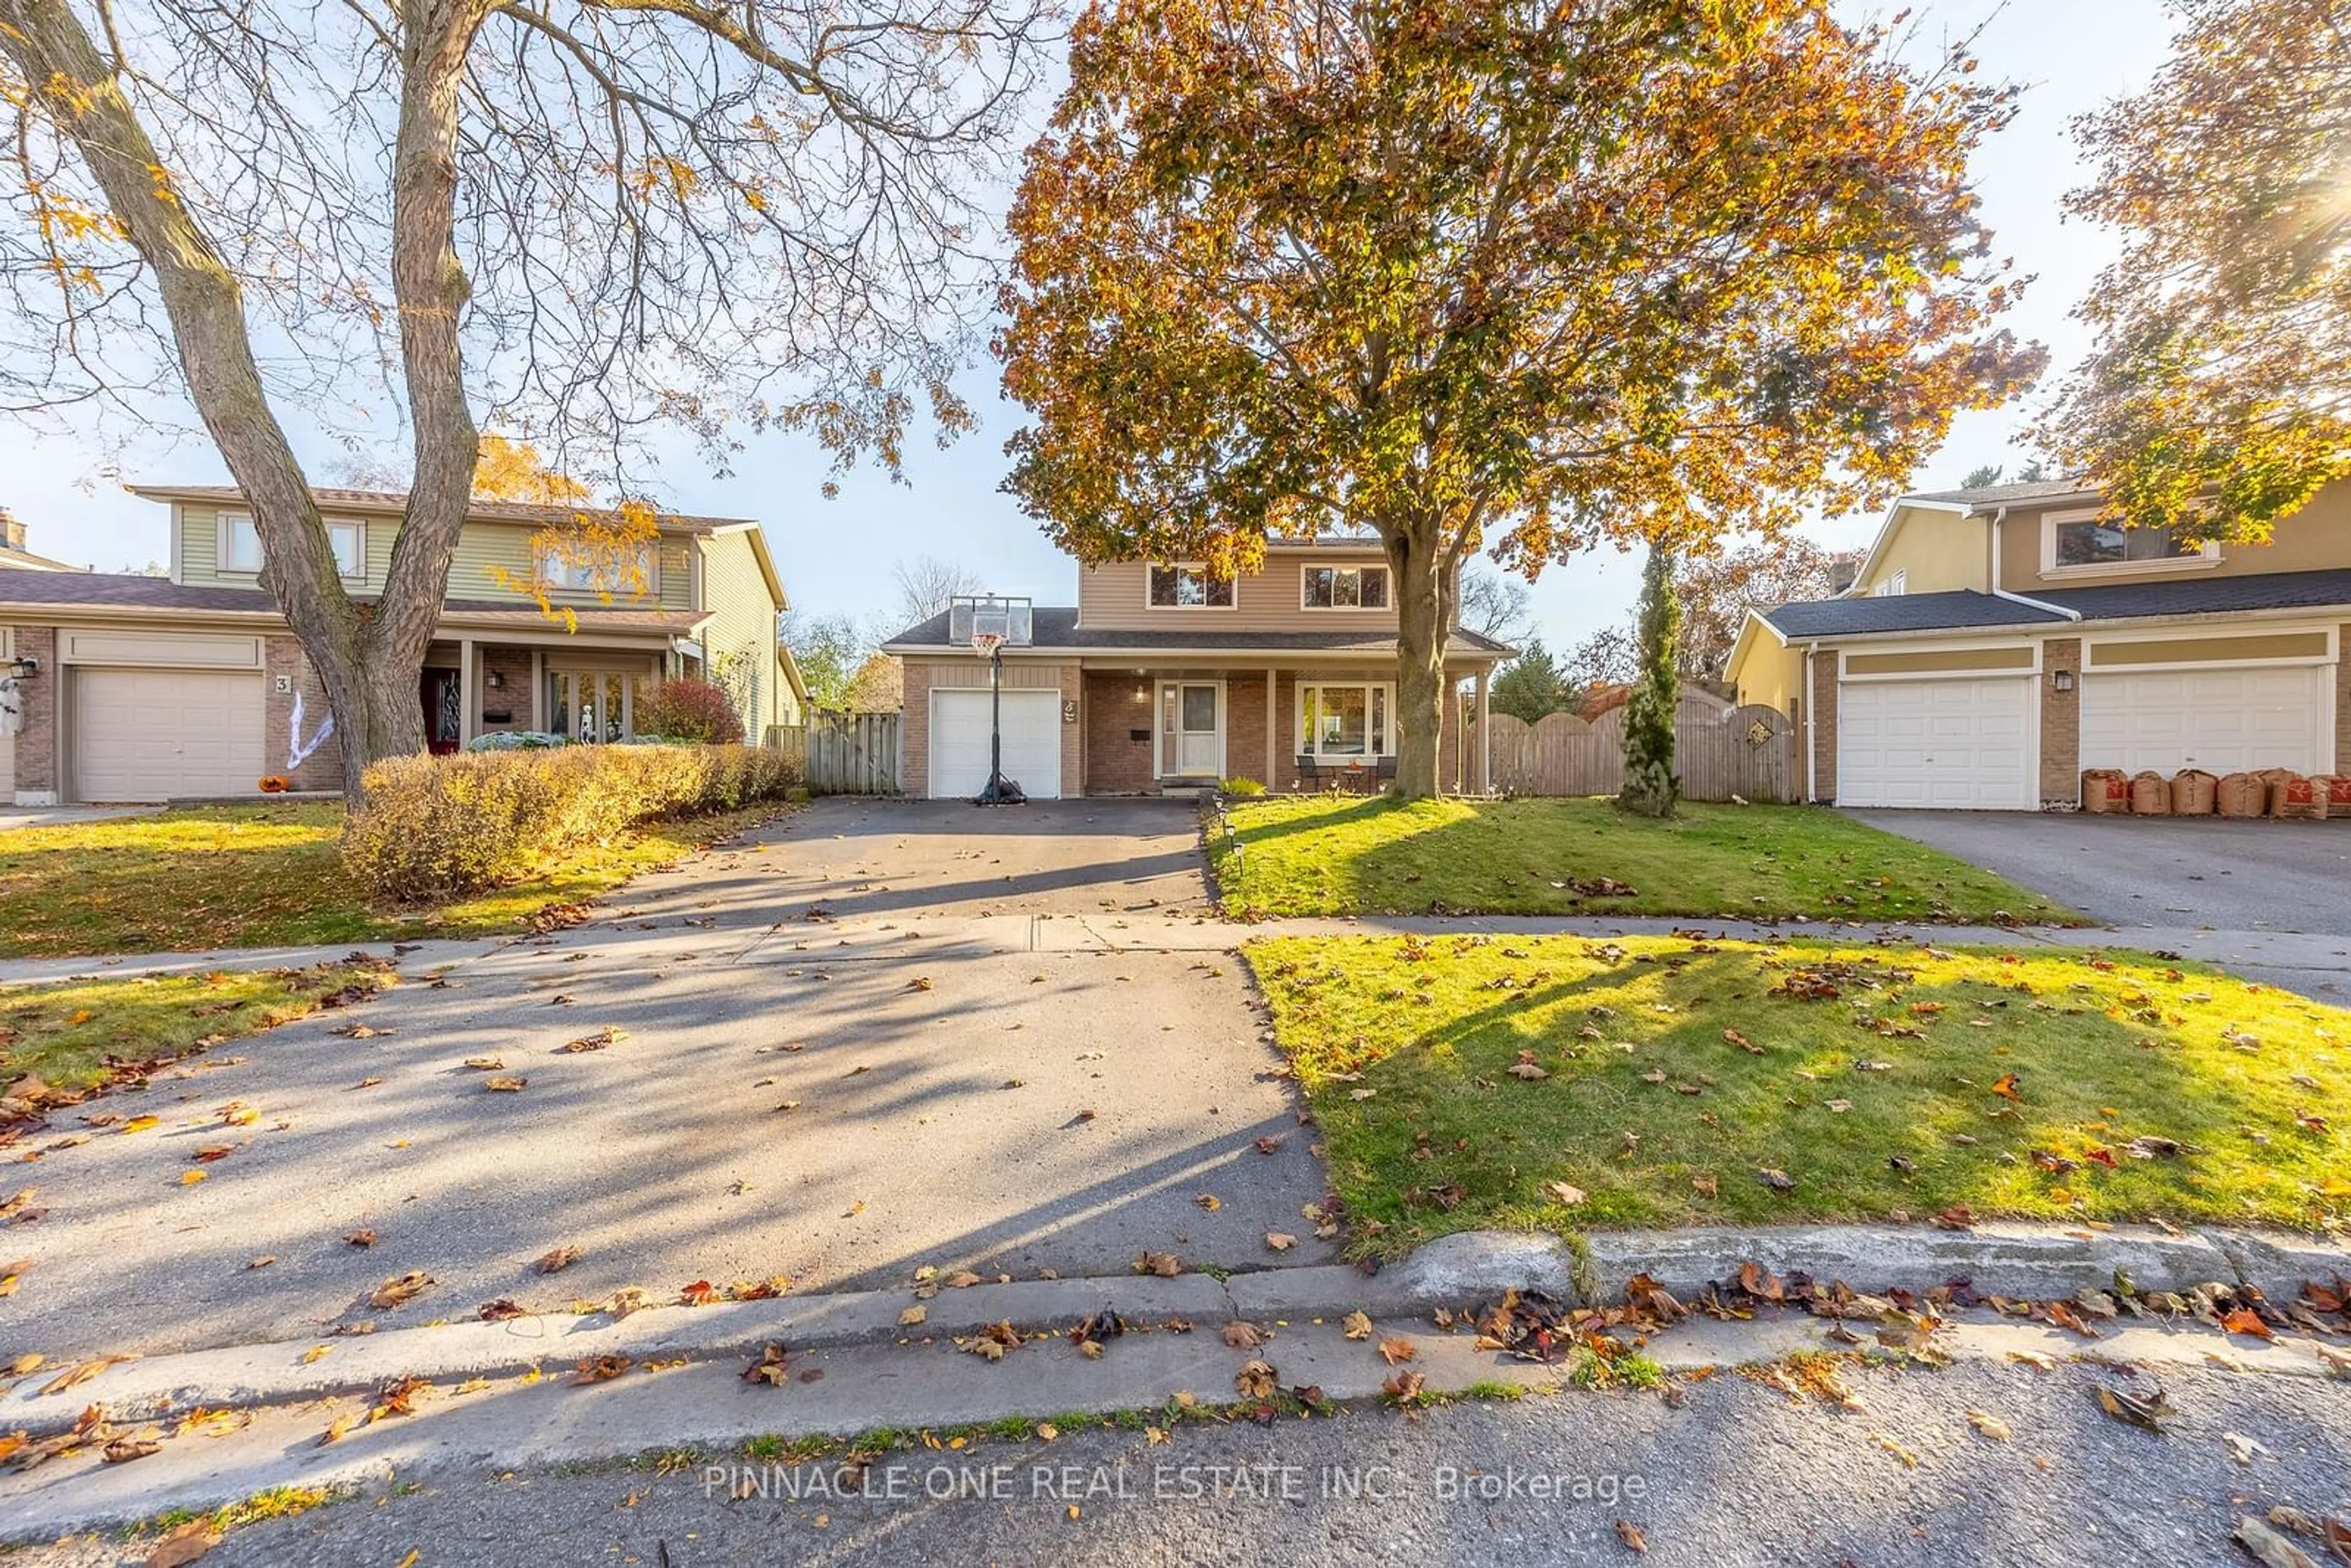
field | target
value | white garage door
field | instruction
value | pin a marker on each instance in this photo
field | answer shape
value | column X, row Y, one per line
column 1959, row 745
column 2223, row 721
column 1032, row 743
column 148, row 735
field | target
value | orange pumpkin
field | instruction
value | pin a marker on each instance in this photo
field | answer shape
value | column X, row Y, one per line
column 274, row 785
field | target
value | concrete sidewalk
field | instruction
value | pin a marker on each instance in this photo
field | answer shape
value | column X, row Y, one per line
column 2316, row 963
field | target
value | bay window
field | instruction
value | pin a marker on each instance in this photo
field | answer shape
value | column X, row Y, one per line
column 1346, row 719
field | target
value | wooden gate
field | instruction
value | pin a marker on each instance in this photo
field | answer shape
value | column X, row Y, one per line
column 847, row 752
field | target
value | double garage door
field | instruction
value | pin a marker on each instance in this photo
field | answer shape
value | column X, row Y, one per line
column 1972, row 745
column 150, row 735
column 960, row 742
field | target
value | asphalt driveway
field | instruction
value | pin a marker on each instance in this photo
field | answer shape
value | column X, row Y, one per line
column 808, row 1083
column 2230, row 874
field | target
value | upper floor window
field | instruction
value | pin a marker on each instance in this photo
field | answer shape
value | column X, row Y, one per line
column 595, row 570
column 240, row 544
column 1893, row 586
column 2086, row 540
column 1346, row 587
column 1189, row 587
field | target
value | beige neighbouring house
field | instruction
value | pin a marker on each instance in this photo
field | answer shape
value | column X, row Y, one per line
column 153, row 688
column 1999, row 641
column 1163, row 677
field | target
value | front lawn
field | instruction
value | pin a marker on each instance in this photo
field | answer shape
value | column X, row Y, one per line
column 77, row 1036
column 1672, row 1082
column 266, row 876
column 1324, row 854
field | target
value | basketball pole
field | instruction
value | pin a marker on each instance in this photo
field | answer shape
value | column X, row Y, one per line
column 998, row 792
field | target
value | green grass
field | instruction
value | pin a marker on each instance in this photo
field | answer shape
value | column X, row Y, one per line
column 79, row 1035
column 1354, row 855
column 1404, row 1048
column 264, row 876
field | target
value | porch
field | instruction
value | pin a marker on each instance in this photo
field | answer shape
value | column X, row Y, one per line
column 584, row 687
column 1150, row 729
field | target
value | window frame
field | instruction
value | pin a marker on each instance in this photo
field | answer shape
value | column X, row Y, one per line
column 1306, row 575
column 2053, row 522
column 548, row 563
column 1150, row 569
column 225, row 526
column 1379, row 698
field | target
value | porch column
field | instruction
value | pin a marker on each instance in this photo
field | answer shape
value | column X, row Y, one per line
column 1485, row 737
column 1272, row 735
column 538, row 689
column 469, row 692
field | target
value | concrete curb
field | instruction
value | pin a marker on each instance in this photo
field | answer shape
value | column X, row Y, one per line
column 2028, row 1262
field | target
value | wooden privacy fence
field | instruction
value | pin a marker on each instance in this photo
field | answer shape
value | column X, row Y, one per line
column 1720, row 751
column 846, row 753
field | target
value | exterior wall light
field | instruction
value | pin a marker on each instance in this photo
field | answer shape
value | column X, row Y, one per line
column 2063, row 680
column 24, row 669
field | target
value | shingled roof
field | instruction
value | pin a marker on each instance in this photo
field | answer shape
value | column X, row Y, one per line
column 1965, row 608
column 1055, row 628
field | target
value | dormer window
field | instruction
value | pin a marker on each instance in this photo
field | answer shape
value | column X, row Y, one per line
column 2078, row 541
column 1189, row 587
column 1346, row 587
column 575, row 569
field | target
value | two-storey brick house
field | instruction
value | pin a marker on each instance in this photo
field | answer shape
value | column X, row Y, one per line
column 1999, row 641
column 151, row 688
column 1162, row 677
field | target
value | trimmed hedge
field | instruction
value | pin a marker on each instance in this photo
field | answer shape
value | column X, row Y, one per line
column 437, row 827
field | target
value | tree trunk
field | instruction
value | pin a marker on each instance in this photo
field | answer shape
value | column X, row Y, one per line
column 1423, row 588
column 368, row 662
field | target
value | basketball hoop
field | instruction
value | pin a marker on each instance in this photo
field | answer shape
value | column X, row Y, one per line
column 986, row 644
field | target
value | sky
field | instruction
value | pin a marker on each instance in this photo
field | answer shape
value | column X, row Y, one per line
column 2069, row 55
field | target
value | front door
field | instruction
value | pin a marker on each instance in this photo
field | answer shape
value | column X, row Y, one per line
column 591, row 705
column 438, row 691
column 1191, row 729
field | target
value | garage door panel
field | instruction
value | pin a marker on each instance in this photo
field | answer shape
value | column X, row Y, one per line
column 1031, row 726
column 150, row 735
column 2223, row 721
column 1958, row 745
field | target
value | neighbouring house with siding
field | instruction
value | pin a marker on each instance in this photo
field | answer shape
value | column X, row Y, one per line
column 151, row 688
column 1162, row 677
column 1999, row 641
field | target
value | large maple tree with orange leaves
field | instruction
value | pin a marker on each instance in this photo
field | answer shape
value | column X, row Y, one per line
column 1520, row 278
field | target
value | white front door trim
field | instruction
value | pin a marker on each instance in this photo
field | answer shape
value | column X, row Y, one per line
column 1169, row 745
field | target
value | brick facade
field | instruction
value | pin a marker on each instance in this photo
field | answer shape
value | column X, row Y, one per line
column 2061, row 724
column 915, row 727
column 1825, row 726
column 512, row 694
column 36, row 742
column 282, row 660
column 1116, row 763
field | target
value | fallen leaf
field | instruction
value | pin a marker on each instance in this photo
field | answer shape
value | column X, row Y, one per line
column 1357, row 1325
column 486, row 1063
column 1397, row 1351
column 913, row 1315
column 185, row 1544
column 1990, row 1426
column 602, row 1368
column 558, row 1260
column 362, row 1239
column 772, row 1368
column 1243, row 1335
column 2245, row 1321
column 2146, row 1412
column 1281, row 1241
column 1255, row 1380
column 1565, row 1192
column 1164, row 1264
column 1630, row 1534
column 2005, row 1086
column 507, row 1085
column 1403, row 1386
column 399, row 1287
column 1209, row 1202
column 82, row 1372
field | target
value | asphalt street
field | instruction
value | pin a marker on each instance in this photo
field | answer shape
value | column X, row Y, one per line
column 1912, row 1468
